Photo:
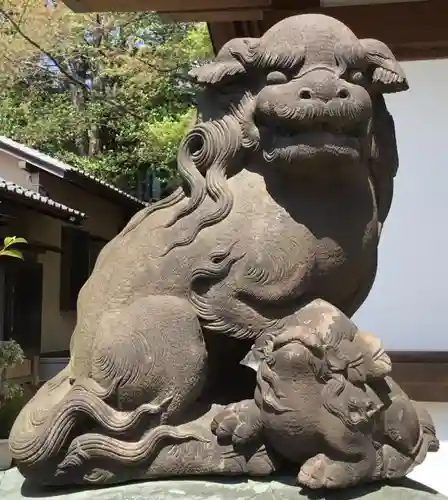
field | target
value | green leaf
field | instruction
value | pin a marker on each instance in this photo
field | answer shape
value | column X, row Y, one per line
column 13, row 240
column 8, row 241
column 11, row 253
column 20, row 240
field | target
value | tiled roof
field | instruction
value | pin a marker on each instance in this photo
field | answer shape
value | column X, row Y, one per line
column 21, row 192
column 59, row 168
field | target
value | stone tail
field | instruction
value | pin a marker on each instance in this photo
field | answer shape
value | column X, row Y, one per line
column 137, row 453
column 38, row 436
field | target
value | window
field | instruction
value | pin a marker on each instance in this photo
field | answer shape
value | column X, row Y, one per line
column 79, row 253
column 21, row 303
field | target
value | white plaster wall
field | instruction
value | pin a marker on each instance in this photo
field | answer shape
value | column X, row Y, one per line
column 407, row 304
column 434, row 470
column 11, row 171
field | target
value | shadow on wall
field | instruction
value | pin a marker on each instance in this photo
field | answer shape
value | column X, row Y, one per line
column 410, row 290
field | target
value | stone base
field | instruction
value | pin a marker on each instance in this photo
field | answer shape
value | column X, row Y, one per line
column 13, row 487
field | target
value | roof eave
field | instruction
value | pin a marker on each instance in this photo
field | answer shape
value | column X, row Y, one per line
column 70, row 174
column 102, row 191
column 38, row 206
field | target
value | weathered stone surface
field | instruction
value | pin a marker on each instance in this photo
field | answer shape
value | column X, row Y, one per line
column 264, row 253
column 12, row 487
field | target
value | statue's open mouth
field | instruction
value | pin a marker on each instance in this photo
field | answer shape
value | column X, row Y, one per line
column 312, row 146
column 292, row 142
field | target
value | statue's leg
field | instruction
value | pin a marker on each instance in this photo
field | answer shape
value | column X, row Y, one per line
column 396, row 464
column 31, row 437
column 427, row 426
column 149, row 351
column 148, row 367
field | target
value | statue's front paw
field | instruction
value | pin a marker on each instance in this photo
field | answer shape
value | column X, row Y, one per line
column 238, row 423
column 322, row 472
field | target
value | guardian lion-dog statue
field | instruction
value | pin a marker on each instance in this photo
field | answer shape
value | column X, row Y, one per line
column 213, row 336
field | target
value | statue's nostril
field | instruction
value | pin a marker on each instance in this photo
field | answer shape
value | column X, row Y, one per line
column 343, row 94
column 305, row 94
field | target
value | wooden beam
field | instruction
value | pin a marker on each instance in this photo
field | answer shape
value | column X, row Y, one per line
column 32, row 204
column 298, row 6
column 422, row 375
column 42, row 247
column 212, row 16
column 162, row 5
column 414, row 30
column 220, row 33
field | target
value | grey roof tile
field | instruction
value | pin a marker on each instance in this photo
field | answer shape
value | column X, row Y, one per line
column 23, row 192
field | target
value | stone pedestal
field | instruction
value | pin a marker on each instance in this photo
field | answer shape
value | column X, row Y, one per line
column 13, row 487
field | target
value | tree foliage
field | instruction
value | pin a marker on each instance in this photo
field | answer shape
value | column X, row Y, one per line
column 108, row 93
column 11, row 393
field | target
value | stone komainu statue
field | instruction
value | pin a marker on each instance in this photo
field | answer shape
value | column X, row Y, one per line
column 270, row 242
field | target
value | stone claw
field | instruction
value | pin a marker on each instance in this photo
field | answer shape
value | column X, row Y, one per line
column 321, row 472
column 236, row 423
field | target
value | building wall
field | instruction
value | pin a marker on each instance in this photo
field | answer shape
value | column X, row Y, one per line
column 56, row 325
column 410, row 292
column 11, row 171
column 104, row 220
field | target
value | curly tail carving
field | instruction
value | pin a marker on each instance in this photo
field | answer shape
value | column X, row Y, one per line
column 50, row 435
column 98, row 446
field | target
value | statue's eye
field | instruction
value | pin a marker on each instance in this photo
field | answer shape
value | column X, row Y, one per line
column 276, row 78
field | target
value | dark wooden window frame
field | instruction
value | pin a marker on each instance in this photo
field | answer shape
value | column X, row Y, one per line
column 21, row 294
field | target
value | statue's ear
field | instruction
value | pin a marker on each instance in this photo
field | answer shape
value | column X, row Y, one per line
column 229, row 64
column 245, row 50
column 216, row 72
column 386, row 73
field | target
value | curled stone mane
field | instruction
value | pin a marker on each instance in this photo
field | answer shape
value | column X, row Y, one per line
column 204, row 157
column 203, row 160
column 207, row 154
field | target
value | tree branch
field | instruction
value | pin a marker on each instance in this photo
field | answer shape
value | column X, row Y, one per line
column 25, row 7
column 60, row 67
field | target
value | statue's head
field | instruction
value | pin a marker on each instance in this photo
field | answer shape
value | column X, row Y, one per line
column 304, row 94
column 305, row 99
column 329, row 342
